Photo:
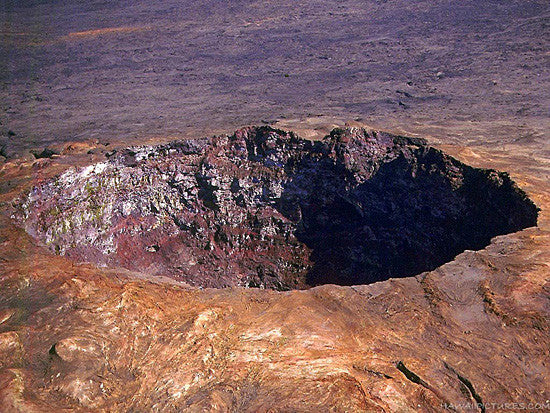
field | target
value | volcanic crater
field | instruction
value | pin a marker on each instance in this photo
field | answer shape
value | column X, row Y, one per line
column 265, row 208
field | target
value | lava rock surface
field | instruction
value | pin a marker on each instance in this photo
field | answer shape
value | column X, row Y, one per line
column 264, row 208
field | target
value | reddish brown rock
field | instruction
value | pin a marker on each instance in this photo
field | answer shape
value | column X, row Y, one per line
column 264, row 208
column 475, row 328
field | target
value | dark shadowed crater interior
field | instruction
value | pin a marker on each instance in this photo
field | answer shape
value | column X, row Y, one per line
column 264, row 208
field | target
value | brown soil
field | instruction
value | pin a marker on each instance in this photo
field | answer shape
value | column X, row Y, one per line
column 471, row 77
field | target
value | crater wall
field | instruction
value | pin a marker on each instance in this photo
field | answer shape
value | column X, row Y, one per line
column 264, row 208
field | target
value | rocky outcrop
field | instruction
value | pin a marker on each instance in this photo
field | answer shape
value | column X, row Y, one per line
column 264, row 208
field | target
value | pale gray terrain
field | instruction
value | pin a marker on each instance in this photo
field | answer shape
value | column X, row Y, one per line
column 475, row 70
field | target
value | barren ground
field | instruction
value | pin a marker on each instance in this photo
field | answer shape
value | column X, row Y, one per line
column 471, row 77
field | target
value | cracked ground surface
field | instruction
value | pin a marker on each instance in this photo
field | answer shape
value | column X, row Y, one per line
column 470, row 77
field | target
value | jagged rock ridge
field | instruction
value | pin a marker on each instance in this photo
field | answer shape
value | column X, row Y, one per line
column 264, row 208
